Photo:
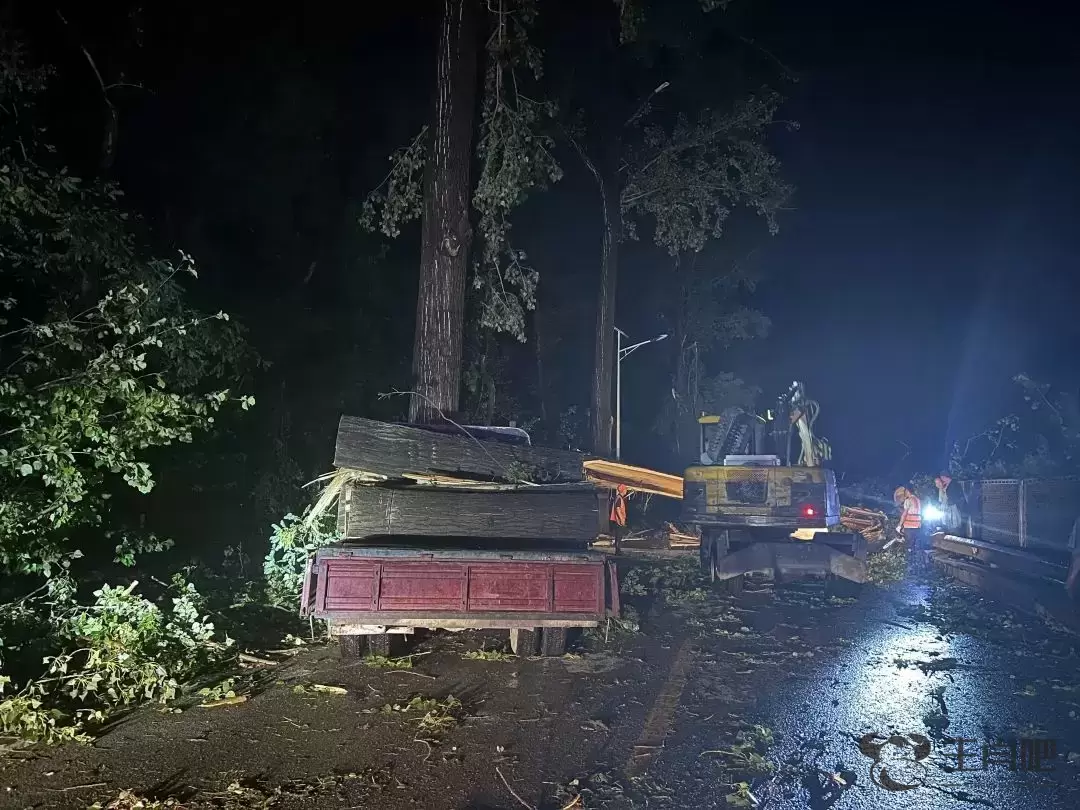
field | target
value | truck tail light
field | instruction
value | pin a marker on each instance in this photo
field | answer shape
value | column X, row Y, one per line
column 809, row 511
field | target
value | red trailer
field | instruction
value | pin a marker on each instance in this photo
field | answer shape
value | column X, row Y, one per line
column 375, row 594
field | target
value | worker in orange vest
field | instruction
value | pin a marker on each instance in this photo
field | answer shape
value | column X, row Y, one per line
column 910, row 524
column 618, row 514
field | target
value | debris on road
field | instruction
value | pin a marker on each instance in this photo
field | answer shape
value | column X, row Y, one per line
column 887, row 566
column 384, row 662
column 488, row 655
column 231, row 700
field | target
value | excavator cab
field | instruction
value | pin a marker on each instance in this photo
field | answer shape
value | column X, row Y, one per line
column 763, row 500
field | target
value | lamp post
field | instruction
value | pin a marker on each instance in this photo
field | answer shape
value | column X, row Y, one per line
column 620, row 353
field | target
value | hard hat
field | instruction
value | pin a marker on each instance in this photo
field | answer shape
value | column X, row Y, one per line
column 899, row 493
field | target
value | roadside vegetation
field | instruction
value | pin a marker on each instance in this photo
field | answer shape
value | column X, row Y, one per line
column 107, row 363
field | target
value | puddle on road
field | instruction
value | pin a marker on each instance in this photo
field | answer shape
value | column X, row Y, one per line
column 908, row 681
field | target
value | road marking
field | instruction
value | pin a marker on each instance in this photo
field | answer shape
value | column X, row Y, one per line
column 658, row 722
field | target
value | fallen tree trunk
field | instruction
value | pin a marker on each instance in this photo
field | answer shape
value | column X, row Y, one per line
column 568, row 514
column 610, row 474
column 392, row 450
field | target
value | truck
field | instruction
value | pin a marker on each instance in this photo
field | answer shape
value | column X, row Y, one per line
column 375, row 596
column 761, row 508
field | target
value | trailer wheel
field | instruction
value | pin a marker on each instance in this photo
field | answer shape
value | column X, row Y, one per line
column 351, row 647
column 552, row 641
column 733, row 586
column 381, row 644
column 525, row 642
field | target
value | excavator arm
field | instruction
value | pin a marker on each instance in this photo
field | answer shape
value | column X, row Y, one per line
column 813, row 450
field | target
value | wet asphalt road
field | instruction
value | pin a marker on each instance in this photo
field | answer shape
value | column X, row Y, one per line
column 929, row 663
column 646, row 721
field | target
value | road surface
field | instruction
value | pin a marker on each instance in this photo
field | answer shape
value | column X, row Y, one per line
column 780, row 697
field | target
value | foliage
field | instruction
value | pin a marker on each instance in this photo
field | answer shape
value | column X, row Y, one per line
column 105, row 359
column 626, row 625
column 688, row 177
column 741, row 796
column 573, row 427
column 680, row 170
column 977, row 456
column 680, row 581
column 632, row 16
column 1041, row 439
column 514, row 152
column 488, row 655
column 399, row 198
column 708, row 319
column 886, row 567
column 382, row 662
column 292, row 542
column 130, row 800
column 224, row 690
column 437, row 716
column 121, row 650
column 747, row 755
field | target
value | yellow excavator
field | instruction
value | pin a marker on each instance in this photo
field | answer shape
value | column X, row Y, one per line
column 764, row 501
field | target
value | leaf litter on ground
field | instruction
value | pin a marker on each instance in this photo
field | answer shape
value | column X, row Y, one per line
column 488, row 655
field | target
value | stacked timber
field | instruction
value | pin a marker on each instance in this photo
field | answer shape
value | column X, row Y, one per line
column 872, row 524
column 393, row 450
column 409, row 481
column 565, row 514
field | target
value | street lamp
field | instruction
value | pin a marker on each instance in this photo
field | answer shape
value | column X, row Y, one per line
column 620, row 353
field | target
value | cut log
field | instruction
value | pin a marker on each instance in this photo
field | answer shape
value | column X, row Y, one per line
column 611, row 474
column 393, row 450
column 563, row 514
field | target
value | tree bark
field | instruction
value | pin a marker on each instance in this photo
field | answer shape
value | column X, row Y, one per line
column 541, row 381
column 605, row 319
column 446, row 233
column 607, row 180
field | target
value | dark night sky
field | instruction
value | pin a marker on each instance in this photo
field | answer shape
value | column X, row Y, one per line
column 931, row 254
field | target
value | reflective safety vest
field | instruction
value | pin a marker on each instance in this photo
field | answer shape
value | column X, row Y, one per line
column 618, row 506
column 912, row 517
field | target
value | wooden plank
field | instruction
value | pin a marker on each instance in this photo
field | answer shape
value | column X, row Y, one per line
column 611, row 474
column 569, row 514
column 393, row 450
column 434, row 480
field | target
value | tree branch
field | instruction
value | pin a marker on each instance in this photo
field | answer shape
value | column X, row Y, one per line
column 90, row 60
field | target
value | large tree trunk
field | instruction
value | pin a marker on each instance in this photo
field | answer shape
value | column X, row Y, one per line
column 446, row 236
column 606, row 176
column 541, row 380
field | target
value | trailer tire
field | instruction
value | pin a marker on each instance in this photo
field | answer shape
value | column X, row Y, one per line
column 733, row 586
column 351, row 647
column 552, row 641
column 525, row 641
column 381, row 644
